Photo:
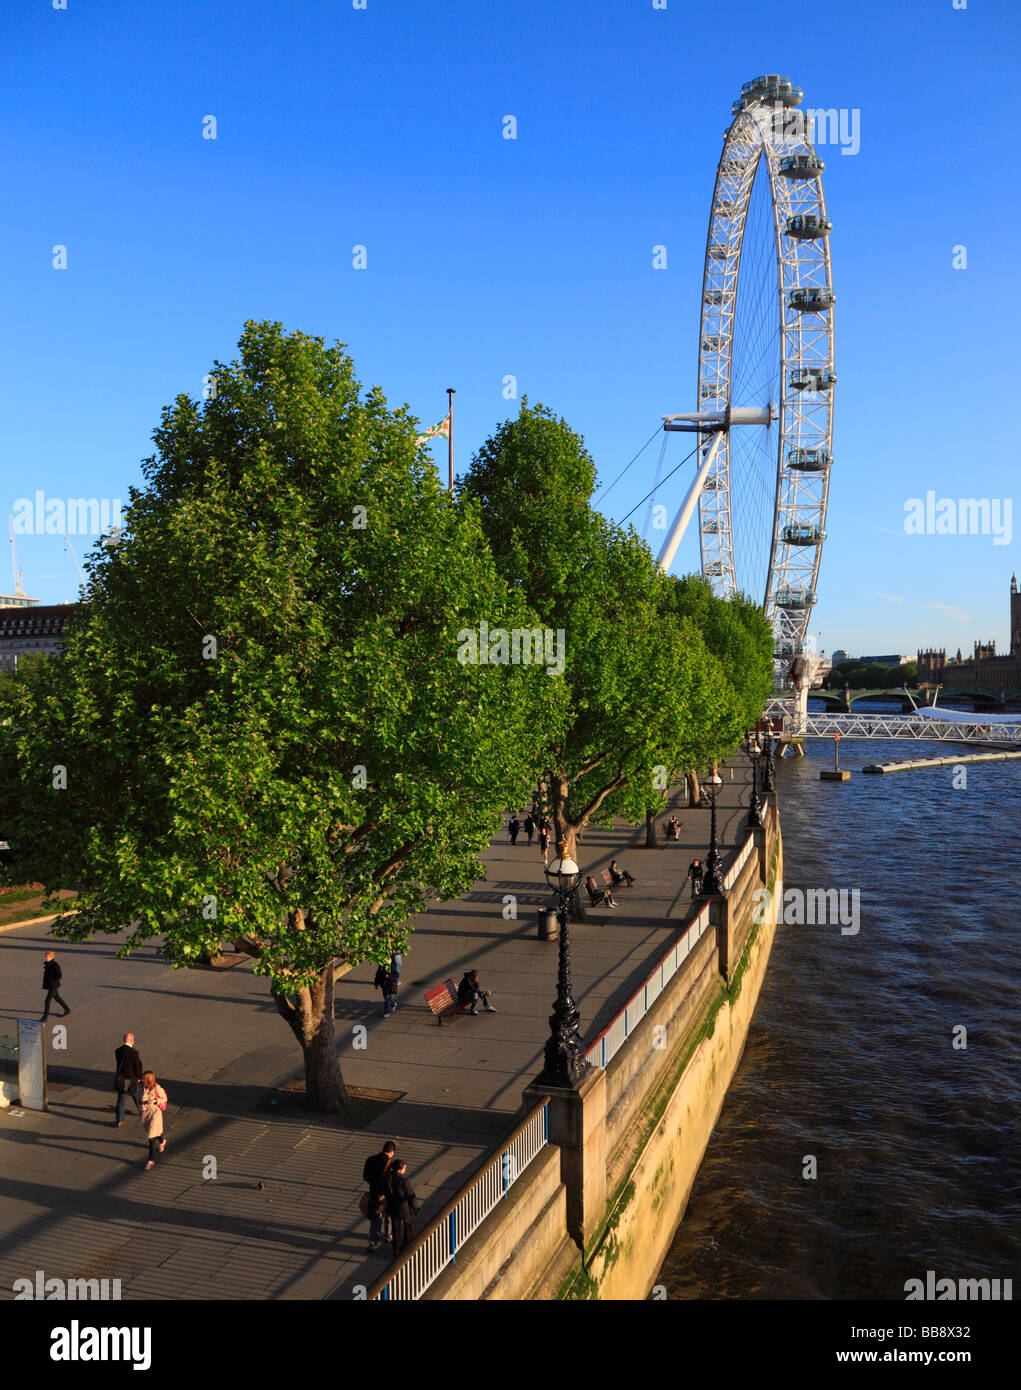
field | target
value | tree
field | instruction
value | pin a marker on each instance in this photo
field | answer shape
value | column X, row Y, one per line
column 269, row 729
column 647, row 692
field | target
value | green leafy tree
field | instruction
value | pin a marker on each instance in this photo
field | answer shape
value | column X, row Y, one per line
column 266, row 730
column 647, row 690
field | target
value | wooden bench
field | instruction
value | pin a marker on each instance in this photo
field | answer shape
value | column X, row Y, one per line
column 443, row 1001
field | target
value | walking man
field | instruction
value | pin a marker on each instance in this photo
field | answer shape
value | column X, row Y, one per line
column 402, row 1204
column 387, row 982
column 529, row 828
column 695, row 873
column 52, row 976
column 514, row 825
column 377, row 1166
column 128, row 1077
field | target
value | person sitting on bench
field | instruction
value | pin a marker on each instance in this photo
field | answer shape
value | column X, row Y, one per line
column 470, row 992
column 673, row 828
column 598, row 897
column 620, row 876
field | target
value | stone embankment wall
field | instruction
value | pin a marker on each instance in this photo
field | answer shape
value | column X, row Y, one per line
column 594, row 1215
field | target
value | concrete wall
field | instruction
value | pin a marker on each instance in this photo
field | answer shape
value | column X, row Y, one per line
column 510, row 1252
column 654, row 1111
column 653, row 1167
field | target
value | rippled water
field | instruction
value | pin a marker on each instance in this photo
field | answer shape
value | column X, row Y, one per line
column 850, row 1054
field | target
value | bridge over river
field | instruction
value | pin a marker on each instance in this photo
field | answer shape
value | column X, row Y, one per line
column 937, row 726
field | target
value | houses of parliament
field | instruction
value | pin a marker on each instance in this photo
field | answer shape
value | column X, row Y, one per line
column 984, row 670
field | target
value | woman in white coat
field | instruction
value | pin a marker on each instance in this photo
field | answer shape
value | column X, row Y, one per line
column 154, row 1102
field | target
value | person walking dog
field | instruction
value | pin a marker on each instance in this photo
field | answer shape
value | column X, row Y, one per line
column 154, row 1102
column 128, row 1077
column 52, row 976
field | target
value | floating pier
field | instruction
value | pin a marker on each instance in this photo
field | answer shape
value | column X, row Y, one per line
column 941, row 762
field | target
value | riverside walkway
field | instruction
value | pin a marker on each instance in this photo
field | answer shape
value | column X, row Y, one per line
column 280, row 1218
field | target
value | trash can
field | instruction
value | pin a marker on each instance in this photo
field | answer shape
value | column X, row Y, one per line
column 548, row 927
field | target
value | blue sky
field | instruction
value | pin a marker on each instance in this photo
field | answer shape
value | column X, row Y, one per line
column 532, row 257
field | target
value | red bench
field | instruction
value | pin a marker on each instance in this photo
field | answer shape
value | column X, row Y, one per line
column 443, row 1001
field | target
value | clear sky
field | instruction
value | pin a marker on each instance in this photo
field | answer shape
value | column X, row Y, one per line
column 533, row 257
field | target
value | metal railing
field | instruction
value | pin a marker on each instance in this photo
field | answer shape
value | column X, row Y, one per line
column 438, row 1245
column 616, row 1033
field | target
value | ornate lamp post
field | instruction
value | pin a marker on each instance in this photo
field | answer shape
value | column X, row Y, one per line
column 564, row 1057
column 755, row 805
column 768, row 784
column 713, row 880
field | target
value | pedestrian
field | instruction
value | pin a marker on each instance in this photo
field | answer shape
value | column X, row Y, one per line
column 401, row 1204
column 396, row 961
column 529, row 828
column 544, row 844
column 154, row 1102
column 385, row 981
column 52, row 976
column 619, row 876
column 514, row 826
column 374, row 1205
column 696, row 873
column 673, row 828
column 469, row 991
column 128, row 1077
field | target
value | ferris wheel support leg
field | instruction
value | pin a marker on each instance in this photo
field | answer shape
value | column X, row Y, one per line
column 677, row 530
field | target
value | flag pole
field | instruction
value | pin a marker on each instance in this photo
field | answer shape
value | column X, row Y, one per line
column 450, row 435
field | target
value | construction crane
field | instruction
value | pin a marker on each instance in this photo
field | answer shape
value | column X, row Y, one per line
column 74, row 557
column 19, row 578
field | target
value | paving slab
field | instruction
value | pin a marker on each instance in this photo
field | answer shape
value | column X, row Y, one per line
column 75, row 1199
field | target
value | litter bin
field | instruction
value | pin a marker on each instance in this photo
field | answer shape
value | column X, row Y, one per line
column 548, row 927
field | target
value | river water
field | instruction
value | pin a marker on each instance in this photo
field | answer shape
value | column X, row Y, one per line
column 850, row 1055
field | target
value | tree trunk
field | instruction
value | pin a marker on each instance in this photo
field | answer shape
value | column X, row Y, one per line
column 564, row 830
column 694, row 790
column 650, row 830
column 309, row 1014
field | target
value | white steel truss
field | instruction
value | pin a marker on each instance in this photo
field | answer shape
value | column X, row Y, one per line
column 805, row 417
column 887, row 726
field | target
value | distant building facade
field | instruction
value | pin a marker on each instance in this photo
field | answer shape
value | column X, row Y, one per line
column 984, row 670
column 32, row 630
column 840, row 657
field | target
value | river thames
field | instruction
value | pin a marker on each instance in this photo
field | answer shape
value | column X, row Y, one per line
column 851, row 1058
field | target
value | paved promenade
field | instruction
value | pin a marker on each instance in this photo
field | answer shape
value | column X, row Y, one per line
column 75, row 1201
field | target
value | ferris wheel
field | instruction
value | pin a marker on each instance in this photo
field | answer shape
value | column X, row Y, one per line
column 765, row 367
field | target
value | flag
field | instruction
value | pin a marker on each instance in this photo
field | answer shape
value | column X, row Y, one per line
column 440, row 431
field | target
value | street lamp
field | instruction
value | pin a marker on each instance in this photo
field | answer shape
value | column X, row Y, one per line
column 713, row 882
column 564, row 1056
column 755, row 805
column 768, row 785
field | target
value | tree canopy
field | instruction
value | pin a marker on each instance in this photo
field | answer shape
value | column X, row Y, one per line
column 264, row 728
column 660, row 673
